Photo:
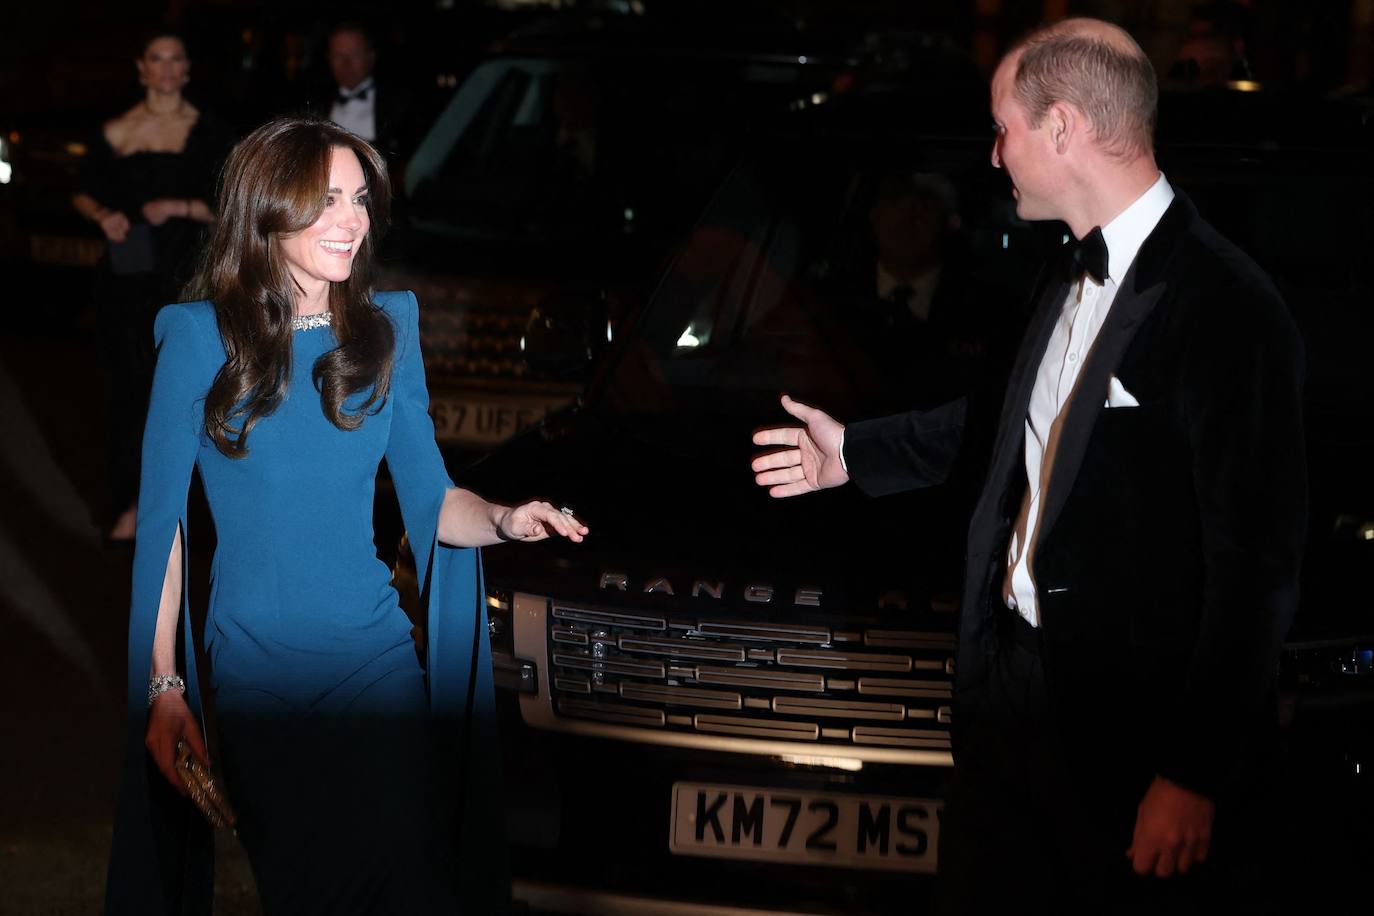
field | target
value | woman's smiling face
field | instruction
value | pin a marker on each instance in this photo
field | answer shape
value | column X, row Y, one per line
column 323, row 252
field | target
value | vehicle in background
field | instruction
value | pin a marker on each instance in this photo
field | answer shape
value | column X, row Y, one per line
column 549, row 193
column 737, row 704
column 46, row 249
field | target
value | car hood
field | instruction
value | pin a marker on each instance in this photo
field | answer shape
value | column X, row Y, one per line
column 676, row 517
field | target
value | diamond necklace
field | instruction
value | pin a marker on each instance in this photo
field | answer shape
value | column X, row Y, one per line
column 309, row 322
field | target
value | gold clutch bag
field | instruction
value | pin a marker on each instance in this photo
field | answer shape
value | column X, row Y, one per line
column 205, row 792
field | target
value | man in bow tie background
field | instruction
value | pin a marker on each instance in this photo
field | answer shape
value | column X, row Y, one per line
column 360, row 103
column 1132, row 562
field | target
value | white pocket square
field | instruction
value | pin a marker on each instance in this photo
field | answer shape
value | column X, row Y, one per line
column 1118, row 396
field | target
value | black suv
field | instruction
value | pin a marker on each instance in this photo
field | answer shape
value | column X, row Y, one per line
column 559, row 176
column 739, row 703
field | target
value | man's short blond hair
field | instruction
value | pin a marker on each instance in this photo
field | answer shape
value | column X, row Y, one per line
column 1100, row 70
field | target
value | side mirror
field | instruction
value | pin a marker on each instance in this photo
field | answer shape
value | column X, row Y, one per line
column 565, row 332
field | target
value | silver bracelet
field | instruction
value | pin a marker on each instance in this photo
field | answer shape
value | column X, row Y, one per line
column 159, row 684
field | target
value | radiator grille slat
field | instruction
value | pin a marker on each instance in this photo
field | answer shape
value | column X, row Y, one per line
column 609, row 618
column 903, row 687
column 852, row 661
column 776, row 632
column 681, row 696
column 901, row 737
column 681, row 648
column 761, row 677
column 838, row 709
column 909, row 639
column 758, row 728
column 613, row 665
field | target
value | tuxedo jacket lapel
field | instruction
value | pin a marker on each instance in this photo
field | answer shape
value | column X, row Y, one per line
column 1141, row 289
column 1007, row 450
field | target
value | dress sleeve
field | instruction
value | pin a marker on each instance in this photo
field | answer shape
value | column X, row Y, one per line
column 458, row 653
column 162, row 848
column 171, row 438
column 449, row 577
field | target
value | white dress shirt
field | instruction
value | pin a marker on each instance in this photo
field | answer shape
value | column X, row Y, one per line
column 358, row 115
column 1084, row 311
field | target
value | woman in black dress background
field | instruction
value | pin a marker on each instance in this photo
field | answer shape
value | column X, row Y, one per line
column 148, row 182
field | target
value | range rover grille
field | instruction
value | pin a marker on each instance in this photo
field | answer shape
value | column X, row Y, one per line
column 755, row 679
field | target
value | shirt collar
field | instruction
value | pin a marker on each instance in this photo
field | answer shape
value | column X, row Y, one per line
column 1127, row 232
column 887, row 282
column 365, row 85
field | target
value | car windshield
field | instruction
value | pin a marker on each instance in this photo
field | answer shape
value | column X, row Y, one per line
column 577, row 149
column 867, row 278
column 859, row 276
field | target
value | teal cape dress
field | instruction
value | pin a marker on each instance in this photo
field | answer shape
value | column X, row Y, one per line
column 355, row 769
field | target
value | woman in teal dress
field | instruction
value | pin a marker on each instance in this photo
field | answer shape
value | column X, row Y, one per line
column 358, row 772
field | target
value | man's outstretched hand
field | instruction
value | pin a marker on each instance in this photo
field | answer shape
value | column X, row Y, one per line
column 810, row 455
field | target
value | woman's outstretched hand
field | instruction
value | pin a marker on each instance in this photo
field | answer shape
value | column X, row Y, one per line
column 537, row 520
column 169, row 721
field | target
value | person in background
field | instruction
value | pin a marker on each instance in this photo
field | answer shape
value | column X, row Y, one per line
column 361, row 104
column 920, row 300
column 148, row 183
column 1214, row 49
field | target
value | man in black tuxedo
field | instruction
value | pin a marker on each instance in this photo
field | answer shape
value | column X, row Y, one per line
column 358, row 102
column 1132, row 562
column 932, row 323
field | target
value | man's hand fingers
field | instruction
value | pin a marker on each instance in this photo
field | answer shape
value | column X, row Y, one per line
column 1185, row 858
column 790, row 489
column 781, row 476
column 787, row 458
column 1143, row 858
column 1166, row 864
column 778, row 435
column 798, row 409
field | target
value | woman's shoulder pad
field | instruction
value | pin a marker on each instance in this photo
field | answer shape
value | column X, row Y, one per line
column 196, row 318
column 399, row 303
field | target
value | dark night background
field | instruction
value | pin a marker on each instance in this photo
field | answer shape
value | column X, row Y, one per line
column 65, row 65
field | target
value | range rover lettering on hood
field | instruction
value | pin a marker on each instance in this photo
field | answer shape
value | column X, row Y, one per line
column 758, row 593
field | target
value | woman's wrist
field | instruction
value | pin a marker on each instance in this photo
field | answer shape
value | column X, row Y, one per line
column 159, row 684
column 498, row 515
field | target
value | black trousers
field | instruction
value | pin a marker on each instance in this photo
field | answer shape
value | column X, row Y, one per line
column 1028, row 828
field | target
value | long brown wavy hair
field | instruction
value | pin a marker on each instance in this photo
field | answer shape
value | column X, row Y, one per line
column 275, row 183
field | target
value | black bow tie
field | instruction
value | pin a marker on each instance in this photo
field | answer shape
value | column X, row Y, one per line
column 361, row 96
column 1090, row 256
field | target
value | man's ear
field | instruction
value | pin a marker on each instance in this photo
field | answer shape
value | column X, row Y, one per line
column 1064, row 123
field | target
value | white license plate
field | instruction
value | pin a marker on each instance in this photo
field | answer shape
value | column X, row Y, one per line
column 485, row 420
column 804, row 828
